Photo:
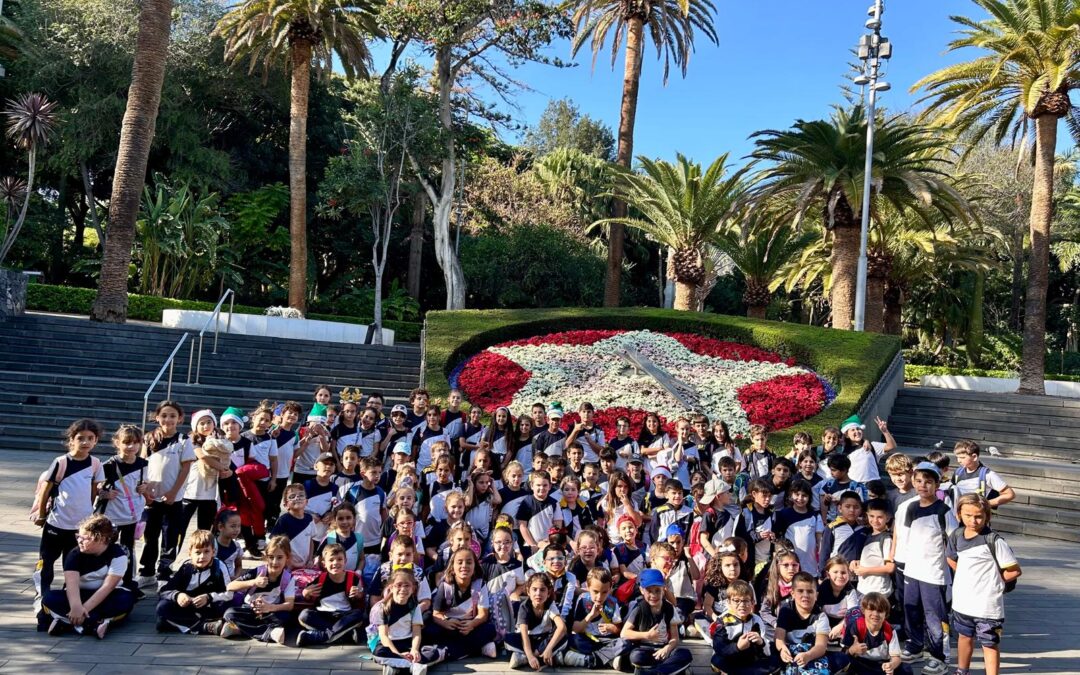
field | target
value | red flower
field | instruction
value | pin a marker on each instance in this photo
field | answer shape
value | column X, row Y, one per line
column 782, row 401
column 570, row 337
column 732, row 351
column 490, row 380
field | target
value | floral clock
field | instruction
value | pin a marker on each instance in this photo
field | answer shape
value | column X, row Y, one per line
column 736, row 383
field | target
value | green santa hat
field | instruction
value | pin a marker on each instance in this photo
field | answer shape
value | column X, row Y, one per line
column 555, row 410
column 234, row 413
column 318, row 413
column 852, row 422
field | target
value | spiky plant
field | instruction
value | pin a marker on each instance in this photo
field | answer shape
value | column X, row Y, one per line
column 30, row 120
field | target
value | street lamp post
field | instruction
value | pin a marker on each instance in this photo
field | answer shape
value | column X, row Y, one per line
column 872, row 49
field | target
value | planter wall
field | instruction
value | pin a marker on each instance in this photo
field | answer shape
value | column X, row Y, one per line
column 12, row 293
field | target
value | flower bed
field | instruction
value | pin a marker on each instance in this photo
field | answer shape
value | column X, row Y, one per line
column 738, row 383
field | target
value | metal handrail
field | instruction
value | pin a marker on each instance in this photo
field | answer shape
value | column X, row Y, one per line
column 168, row 393
column 215, row 316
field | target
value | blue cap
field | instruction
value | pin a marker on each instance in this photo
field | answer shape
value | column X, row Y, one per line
column 929, row 466
column 673, row 530
column 650, row 578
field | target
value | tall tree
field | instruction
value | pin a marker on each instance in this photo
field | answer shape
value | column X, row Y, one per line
column 820, row 164
column 562, row 126
column 136, row 137
column 681, row 207
column 1029, row 65
column 300, row 33
column 671, row 25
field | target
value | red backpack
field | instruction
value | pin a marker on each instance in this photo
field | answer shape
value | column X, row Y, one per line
column 693, row 546
column 855, row 621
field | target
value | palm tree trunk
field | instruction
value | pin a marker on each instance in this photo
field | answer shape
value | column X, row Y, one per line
column 756, row 311
column 975, row 321
column 300, row 54
column 894, row 306
column 625, row 156
column 685, row 294
column 1017, row 294
column 1033, row 357
column 136, row 137
column 845, row 260
column 875, row 304
column 416, row 244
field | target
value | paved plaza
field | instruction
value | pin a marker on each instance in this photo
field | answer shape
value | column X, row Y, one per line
column 1040, row 634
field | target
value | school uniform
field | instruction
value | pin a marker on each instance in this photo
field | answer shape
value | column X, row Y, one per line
column 802, row 530
column 647, row 441
column 262, row 449
column 836, row 605
column 200, row 495
column 228, row 554
column 460, row 604
column 874, row 553
column 125, row 511
column 251, row 623
column 864, row 462
column 633, row 559
column 925, row 575
column 978, row 600
column 596, row 649
column 370, row 503
column 423, row 439
column 164, row 522
column 93, row 570
column 321, row 500
column 354, row 549
column 576, row 516
column 801, row 636
column 643, row 618
column 334, row 613
column 502, row 579
column 304, row 457
column 511, row 499
column 842, row 538
column 194, row 582
column 757, row 524
column 759, row 464
column 399, row 621
column 983, row 481
column 625, row 450
column 540, row 625
column 835, row 488
column 666, row 515
column 880, row 648
column 727, row 657
column 480, row 517
column 378, row 581
column 342, row 437
column 301, row 534
column 597, row 435
column 539, row 516
column 548, row 443
column 612, row 518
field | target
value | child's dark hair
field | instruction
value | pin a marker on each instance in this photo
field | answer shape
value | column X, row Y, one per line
column 880, row 505
column 714, row 569
column 674, row 484
column 875, row 488
column 838, row 462
column 222, row 517
column 803, row 437
column 84, row 424
column 99, row 527
column 127, row 433
column 804, row 578
column 320, row 387
column 419, row 391
column 478, row 573
column 940, row 459
column 377, row 395
column 742, row 550
column 608, row 452
column 726, row 462
column 801, row 487
column 876, row 602
column 967, row 445
column 849, row 494
column 542, row 578
column 153, row 439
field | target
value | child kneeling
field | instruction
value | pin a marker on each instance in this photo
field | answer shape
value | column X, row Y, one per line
column 195, row 598
column 340, row 596
column 92, row 598
column 738, row 636
column 652, row 627
column 541, row 628
column 870, row 641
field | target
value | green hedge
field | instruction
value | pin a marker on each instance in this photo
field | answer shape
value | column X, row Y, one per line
column 852, row 362
column 914, row 373
column 69, row 300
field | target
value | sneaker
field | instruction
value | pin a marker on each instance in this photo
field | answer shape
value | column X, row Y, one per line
column 278, row 635
column 57, row 627
column 230, row 629
column 146, row 580
column 307, row 638
column 934, row 667
column 418, row 669
column 621, row 664
column 163, row 626
column 572, row 659
column 440, row 655
column 691, row 631
column 102, row 629
column 517, row 660
column 489, row 650
column 211, row 627
column 908, row 656
column 37, row 604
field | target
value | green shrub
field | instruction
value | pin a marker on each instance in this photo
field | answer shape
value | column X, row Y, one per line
column 68, row 300
column 914, row 373
column 852, row 362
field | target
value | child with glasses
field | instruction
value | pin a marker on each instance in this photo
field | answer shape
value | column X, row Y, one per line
column 740, row 646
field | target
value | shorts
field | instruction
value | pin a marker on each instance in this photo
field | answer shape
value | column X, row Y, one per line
column 987, row 631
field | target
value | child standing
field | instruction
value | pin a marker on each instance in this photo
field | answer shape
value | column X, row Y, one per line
column 984, row 566
column 551, row 440
column 540, row 626
column 195, row 598
column 845, row 536
column 169, row 456
column 125, row 489
column 758, row 517
column 875, row 567
column 597, row 620
column 801, row 526
column 537, row 513
column 586, row 434
column 461, row 609
column 973, row 477
column 652, row 628
column 338, row 611
column 738, row 636
column 370, row 503
column 92, row 598
column 863, row 454
column 759, row 461
column 830, row 489
column 269, row 593
column 212, row 463
column 927, row 523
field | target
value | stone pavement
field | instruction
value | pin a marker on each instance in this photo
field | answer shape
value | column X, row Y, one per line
column 1047, row 598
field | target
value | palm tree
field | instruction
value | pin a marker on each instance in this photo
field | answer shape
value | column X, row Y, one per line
column 681, row 208
column 30, row 120
column 136, row 137
column 821, row 164
column 760, row 247
column 1028, row 67
column 296, row 33
column 671, row 25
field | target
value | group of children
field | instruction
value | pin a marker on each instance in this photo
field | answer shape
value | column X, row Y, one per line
column 405, row 531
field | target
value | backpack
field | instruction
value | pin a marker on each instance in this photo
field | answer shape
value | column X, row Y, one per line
column 40, row 494
column 982, row 490
column 350, row 580
column 694, row 546
column 856, row 622
column 991, row 543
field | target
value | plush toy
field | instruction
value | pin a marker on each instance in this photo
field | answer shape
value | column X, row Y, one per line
column 215, row 448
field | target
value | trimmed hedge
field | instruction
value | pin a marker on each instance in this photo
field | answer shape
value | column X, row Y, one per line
column 913, row 373
column 70, row 300
column 852, row 362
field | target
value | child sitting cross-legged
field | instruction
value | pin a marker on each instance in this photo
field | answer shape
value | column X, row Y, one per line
column 597, row 619
column 339, row 599
column 652, row 627
column 738, row 636
column 269, row 594
column 195, row 598
column 394, row 633
column 870, row 642
column 541, row 629
column 802, row 634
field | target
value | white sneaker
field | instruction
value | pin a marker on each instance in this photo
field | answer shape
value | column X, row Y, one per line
column 909, row 656
column 489, row 650
column 621, row 663
column 934, row 667
column 517, row 660
column 418, row 669
column 278, row 635
column 146, row 581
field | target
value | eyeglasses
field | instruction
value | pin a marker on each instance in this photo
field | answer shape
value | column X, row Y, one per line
column 739, row 601
column 295, row 498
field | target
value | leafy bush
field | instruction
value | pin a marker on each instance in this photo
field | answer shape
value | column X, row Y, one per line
column 924, row 356
column 398, row 305
column 531, row 266
column 69, row 300
column 853, row 362
column 914, row 373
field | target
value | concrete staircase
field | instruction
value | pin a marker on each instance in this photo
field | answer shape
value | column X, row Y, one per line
column 1037, row 438
column 54, row 369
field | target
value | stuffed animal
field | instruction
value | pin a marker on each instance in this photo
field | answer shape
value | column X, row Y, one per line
column 215, row 448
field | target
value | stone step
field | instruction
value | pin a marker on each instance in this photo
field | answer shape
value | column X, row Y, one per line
column 928, row 438
column 1009, row 400
column 1011, row 525
column 1028, row 512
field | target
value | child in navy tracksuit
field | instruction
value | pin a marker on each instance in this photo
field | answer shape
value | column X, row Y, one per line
column 740, row 646
column 196, row 597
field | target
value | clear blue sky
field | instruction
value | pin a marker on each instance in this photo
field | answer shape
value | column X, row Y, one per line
column 775, row 62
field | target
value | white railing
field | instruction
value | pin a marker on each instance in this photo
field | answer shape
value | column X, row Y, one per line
column 214, row 317
column 168, row 364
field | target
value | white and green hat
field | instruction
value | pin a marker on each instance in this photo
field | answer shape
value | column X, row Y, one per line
column 852, row 422
column 235, row 414
column 555, row 410
column 318, row 413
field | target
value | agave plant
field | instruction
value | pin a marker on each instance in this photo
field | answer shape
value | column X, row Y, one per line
column 12, row 191
column 30, row 120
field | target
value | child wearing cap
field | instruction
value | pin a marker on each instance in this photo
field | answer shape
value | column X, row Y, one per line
column 682, row 574
column 926, row 523
column 314, row 441
column 552, row 439
column 652, row 629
